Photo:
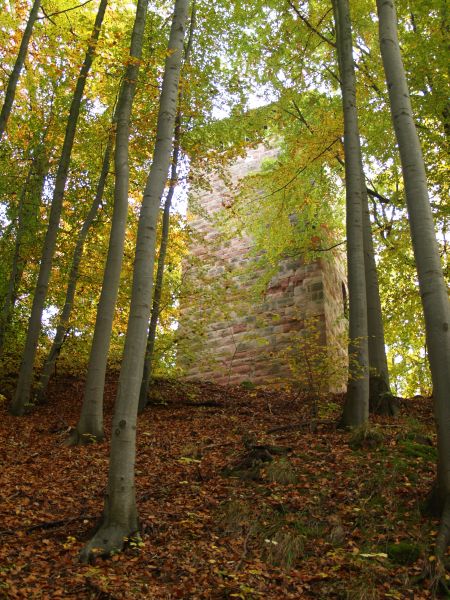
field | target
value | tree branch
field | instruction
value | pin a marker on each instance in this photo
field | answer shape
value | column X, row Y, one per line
column 377, row 195
column 310, row 25
column 299, row 171
column 60, row 12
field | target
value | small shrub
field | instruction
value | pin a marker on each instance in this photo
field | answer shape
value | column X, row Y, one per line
column 191, row 451
column 362, row 591
column 235, row 516
column 284, row 548
column 248, row 385
column 366, row 437
column 280, row 471
column 329, row 409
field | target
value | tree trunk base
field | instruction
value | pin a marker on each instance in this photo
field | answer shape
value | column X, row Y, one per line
column 143, row 403
column 16, row 411
column 443, row 536
column 384, row 404
column 433, row 504
column 437, row 505
column 77, row 438
column 381, row 401
column 108, row 540
column 41, row 398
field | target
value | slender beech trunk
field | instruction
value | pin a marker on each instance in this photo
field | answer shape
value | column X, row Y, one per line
column 15, row 73
column 145, row 383
column 27, row 219
column 90, row 424
column 143, row 394
column 432, row 286
column 23, row 391
column 381, row 400
column 356, row 409
column 61, row 330
column 120, row 513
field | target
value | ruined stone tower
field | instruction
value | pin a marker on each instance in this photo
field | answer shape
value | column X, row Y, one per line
column 289, row 334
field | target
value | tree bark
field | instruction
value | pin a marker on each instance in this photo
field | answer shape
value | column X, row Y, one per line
column 356, row 409
column 145, row 383
column 381, row 400
column 432, row 286
column 61, row 330
column 120, row 514
column 23, row 391
column 143, row 394
column 17, row 69
column 90, row 424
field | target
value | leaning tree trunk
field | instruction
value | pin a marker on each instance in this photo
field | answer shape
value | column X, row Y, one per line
column 356, row 409
column 145, row 384
column 381, row 400
column 22, row 395
column 432, row 286
column 90, row 424
column 120, row 513
column 61, row 330
column 27, row 220
column 15, row 73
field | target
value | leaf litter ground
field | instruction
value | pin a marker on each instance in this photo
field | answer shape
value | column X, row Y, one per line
column 316, row 514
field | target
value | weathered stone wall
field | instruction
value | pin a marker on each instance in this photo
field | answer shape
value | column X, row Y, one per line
column 234, row 335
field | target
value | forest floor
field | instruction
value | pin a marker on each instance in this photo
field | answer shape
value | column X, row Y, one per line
column 227, row 509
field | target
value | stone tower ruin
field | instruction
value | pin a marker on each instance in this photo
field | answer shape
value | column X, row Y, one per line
column 290, row 334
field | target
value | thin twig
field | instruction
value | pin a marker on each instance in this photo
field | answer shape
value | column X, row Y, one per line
column 299, row 171
column 60, row 12
column 244, row 550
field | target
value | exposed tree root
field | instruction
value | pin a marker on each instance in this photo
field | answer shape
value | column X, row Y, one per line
column 108, row 540
column 438, row 506
column 443, row 536
column 82, row 439
column 384, row 404
column 381, row 400
column 47, row 525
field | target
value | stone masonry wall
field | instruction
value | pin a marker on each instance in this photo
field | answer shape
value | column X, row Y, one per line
column 230, row 334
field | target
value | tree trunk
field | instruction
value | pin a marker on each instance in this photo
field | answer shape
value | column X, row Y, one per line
column 90, row 424
column 61, row 330
column 143, row 394
column 15, row 73
column 356, row 409
column 22, row 395
column 145, row 383
column 381, row 400
column 432, row 286
column 27, row 220
column 120, row 514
